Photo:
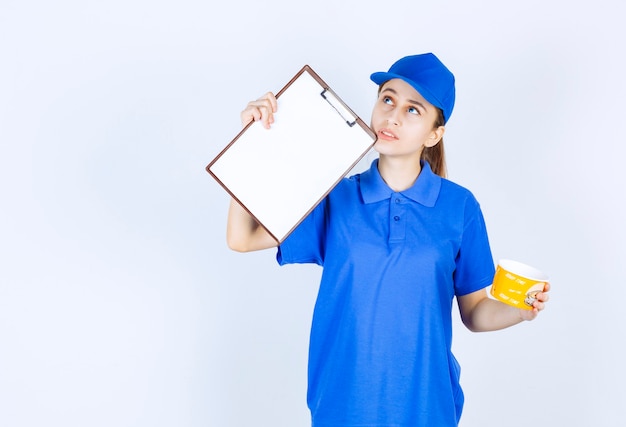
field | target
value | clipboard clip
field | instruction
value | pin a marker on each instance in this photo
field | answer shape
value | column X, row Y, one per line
column 339, row 106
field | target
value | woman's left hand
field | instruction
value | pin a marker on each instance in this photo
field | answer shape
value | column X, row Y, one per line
column 538, row 305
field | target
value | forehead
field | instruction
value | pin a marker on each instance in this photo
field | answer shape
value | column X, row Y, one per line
column 404, row 90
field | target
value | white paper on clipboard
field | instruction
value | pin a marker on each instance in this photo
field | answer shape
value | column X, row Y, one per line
column 280, row 174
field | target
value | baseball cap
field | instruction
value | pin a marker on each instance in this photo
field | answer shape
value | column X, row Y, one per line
column 427, row 75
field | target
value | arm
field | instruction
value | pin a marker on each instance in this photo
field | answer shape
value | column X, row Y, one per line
column 243, row 233
column 481, row 313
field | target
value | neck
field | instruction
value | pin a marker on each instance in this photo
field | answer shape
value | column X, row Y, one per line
column 398, row 174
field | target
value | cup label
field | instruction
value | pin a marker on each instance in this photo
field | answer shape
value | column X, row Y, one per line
column 515, row 290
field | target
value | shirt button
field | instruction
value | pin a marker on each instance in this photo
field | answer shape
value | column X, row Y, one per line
column 396, row 218
column 397, row 200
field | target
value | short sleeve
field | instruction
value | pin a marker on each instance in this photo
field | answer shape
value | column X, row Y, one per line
column 474, row 263
column 306, row 243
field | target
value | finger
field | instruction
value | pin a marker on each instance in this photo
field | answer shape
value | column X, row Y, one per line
column 264, row 102
column 539, row 305
column 268, row 105
column 260, row 110
column 247, row 115
column 272, row 100
column 543, row 297
column 267, row 116
column 256, row 113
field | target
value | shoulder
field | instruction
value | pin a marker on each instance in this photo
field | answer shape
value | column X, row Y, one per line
column 347, row 192
column 453, row 189
column 349, row 183
column 454, row 195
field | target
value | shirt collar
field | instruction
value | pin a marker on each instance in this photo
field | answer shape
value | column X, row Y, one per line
column 425, row 190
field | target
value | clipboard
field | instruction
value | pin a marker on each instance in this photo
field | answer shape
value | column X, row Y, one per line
column 279, row 175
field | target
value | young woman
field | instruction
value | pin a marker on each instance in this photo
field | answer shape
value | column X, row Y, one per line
column 397, row 243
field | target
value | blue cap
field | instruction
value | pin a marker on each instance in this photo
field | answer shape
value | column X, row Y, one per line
column 427, row 75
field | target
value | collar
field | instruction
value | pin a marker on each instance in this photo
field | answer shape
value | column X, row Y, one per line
column 424, row 191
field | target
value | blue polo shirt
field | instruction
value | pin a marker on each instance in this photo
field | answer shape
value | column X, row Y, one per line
column 380, row 345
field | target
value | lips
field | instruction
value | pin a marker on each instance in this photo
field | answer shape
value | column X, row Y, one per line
column 387, row 135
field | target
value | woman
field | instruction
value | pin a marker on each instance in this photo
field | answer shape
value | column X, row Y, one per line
column 397, row 243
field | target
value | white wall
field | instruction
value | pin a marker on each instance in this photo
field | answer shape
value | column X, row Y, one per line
column 120, row 304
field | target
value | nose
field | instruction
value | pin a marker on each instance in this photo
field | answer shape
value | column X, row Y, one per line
column 392, row 118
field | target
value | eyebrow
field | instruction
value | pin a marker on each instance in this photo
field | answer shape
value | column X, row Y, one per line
column 410, row 101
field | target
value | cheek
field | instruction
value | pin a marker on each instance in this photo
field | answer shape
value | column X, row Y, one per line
column 418, row 135
column 376, row 114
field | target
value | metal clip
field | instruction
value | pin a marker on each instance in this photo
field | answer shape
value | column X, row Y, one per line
column 341, row 109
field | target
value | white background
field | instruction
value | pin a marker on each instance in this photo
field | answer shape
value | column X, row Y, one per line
column 120, row 304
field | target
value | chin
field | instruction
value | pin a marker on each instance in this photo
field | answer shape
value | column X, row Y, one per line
column 383, row 147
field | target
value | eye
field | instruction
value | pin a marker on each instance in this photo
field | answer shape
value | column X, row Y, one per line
column 387, row 100
column 413, row 110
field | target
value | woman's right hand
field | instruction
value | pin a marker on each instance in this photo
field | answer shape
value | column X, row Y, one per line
column 262, row 110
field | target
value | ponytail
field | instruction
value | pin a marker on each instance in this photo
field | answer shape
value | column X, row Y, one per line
column 435, row 155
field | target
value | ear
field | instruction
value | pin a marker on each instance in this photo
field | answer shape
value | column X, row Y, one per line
column 435, row 136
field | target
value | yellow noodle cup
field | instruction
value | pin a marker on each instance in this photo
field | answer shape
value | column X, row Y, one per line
column 517, row 284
